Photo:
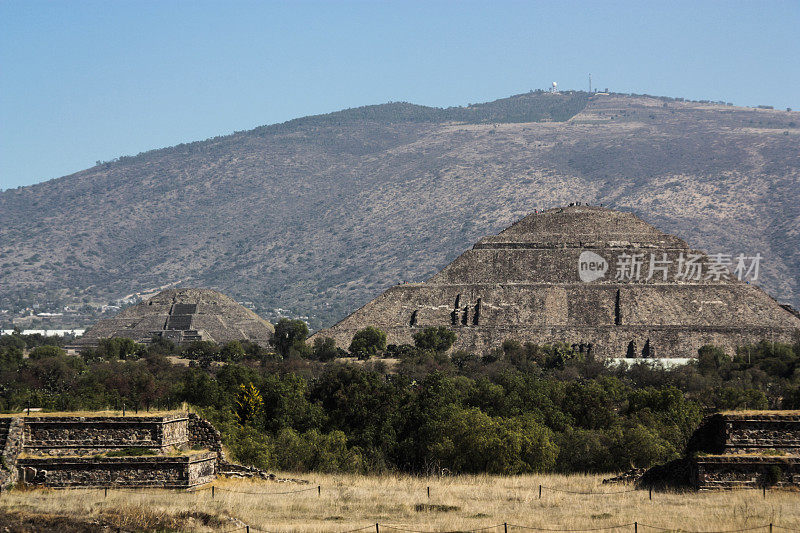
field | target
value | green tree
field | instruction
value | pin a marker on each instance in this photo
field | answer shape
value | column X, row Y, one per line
column 203, row 351
column 250, row 447
column 161, row 346
column 41, row 352
column 118, row 348
column 290, row 335
column 232, row 351
column 368, row 342
column 438, row 339
column 472, row 441
column 325, row 349
column 10, row 358
column 791, row 398
column 249, row 403
column 710, row 358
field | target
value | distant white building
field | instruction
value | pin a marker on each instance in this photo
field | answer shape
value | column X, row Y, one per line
column 48, row 332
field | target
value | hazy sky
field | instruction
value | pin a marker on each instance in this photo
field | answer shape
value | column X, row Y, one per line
column 85, row 81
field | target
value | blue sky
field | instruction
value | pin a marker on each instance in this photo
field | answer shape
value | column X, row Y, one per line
column 82, row 81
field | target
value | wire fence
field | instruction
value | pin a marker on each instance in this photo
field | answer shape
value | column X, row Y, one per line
column 632, row 527
column 586, row 493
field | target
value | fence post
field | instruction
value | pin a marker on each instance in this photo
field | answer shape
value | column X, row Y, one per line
column 651, row 493
column 765, row 491
column 540, row 492
column 377, row 529
column 105, row 492
column 429, row 492
column 636, row 527
column 505, row 527
column 212, row 492
column 770, row 527
column 319, row 491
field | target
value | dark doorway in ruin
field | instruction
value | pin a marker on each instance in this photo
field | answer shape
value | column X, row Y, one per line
column 454, row 313
column 631, row 353
column 413, row 320
column 648, row 351
column 477, row 315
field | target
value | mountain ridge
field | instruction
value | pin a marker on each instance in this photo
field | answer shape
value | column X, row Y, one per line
column 317, row 216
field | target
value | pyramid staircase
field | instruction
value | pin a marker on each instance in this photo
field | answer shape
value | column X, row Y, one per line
column 179, row 323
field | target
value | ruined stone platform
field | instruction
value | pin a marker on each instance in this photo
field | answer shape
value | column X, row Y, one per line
column 169, row 450
column 169, row 472
column 737, row 449
column 746, row 471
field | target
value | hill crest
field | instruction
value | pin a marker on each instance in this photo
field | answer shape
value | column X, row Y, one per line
column 315, row 218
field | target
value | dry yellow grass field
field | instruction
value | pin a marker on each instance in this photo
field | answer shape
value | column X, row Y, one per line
column 457, row 503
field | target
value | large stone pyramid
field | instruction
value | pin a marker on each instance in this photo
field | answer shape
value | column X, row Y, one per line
column 183, row 316
column 582, row 275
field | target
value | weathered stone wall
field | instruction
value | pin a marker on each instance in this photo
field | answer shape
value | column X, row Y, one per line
column 175, row 432
column 91, row 435
column 168, row 472
column 202, row 434
column 744, row 449
column 748, row 432
column 746, row 471
column 13, row 431
column 677, row 319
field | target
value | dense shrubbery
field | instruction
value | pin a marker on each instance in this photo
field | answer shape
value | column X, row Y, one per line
column 520, row 408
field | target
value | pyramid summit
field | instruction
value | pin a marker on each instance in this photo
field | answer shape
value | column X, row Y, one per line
column 602, row 280
column 183, row 316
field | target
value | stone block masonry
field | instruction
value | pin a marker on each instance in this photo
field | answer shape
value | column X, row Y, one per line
column 165, row 472
column 737, row 449
column 92, row 435
column 747, row 449
column 748, row 433
column 204, row 435
column 11, row 439
column 747, row 471
column 63, row 451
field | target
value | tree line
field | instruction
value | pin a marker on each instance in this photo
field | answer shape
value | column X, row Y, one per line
column 423, row 409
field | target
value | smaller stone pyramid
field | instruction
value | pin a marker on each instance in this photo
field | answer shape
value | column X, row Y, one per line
column 183, row 316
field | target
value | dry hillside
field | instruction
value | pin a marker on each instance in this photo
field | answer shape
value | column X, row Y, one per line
column 320, row 214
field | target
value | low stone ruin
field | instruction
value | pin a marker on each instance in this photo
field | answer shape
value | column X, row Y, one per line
column 746, row 449
column 174, row 450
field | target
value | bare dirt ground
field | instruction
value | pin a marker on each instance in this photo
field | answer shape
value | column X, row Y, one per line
column 400, row 503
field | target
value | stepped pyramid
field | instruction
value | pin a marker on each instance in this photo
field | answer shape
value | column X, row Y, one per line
column 582, row 275
column 183, row 316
